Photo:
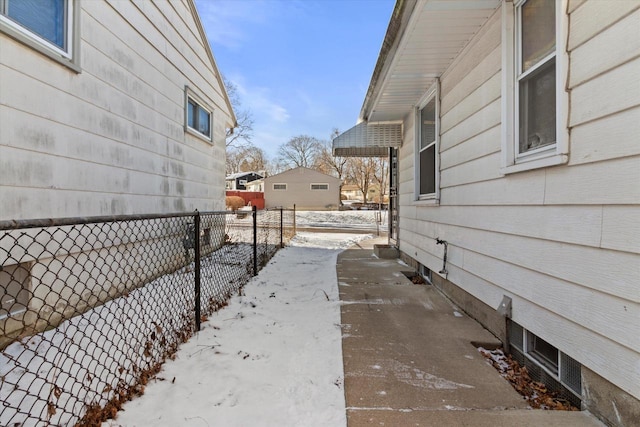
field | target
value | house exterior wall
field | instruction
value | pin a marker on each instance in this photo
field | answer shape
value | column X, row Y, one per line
column 108, row 140
column 111, row 139
column 298, row 192
column 563, row 242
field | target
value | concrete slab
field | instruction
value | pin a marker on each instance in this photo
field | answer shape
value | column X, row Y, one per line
column 480, row 418
column 408, row 357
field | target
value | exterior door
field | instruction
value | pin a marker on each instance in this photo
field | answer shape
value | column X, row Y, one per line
column 393, row 196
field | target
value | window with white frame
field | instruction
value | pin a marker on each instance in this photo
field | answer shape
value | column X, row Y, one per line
column 534, row 110
column 46, row 25
column 319, row 186
column 427, row 130
column 280, row 187
column 198, row 117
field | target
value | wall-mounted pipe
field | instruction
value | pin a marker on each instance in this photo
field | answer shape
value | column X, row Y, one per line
column 444, row 258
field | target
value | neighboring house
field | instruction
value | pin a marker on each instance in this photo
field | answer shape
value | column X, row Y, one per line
column 240, row 180
column 352, row 192
column 106, row 108
column 256, row 186
column 513, row 130
column 306, row 188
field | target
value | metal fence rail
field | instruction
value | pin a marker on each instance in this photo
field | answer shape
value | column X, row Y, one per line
column 91, row 307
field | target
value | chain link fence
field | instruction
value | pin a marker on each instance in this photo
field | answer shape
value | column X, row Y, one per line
column 91, row 307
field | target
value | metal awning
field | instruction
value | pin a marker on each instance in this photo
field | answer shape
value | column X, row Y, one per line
column 368, row 140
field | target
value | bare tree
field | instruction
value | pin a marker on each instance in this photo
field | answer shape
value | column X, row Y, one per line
column 330, row 164
column 381, row 175
column 245, row 159
column 241, row 135
column 361, row 172
column 301, row 150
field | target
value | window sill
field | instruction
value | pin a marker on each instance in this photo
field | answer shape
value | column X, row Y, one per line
column 426, row 202
column 198, row 135
column 554, row 160
column 71, row 63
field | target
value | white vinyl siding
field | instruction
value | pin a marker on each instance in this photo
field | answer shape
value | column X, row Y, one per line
column 547, row 235
column 115, row 142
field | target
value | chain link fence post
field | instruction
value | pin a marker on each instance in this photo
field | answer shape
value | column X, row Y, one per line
column 255, row 240
column 281, row 229
column 197, row 241
column 294, row 219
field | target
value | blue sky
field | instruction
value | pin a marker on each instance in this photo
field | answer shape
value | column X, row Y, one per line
column 301, row 66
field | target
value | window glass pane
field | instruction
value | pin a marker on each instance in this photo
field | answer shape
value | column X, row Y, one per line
column 46, row 18
column 203, row 122
column 538, row 31
column 191, row 114
column 428, row 124
column 543, row 352
column 538, row 109
column 427, row 170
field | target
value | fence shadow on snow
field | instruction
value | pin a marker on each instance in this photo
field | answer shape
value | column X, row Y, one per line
column 91, row 307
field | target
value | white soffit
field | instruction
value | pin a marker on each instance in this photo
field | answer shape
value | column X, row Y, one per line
column 436, row 33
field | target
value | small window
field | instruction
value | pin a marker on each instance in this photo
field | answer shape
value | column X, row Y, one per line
column 198, row 116
column 14, row 289
column 427, row 148
column 543, row 352
column 47, row 26
column 319, row 186
column 279, row 186
column 426, row 274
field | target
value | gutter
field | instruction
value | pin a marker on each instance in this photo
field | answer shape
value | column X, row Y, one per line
column 397, row 25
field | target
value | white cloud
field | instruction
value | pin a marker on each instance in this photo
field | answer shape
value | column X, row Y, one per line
column 226, row 19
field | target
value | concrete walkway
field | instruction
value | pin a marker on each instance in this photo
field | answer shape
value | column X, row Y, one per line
column 408, row 357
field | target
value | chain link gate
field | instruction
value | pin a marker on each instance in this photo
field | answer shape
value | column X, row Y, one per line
column 91, row 307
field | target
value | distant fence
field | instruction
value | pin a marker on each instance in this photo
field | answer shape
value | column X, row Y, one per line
column 251, row 198
column 91, row 307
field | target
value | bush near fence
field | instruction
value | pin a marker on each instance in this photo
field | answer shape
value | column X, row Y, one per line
column 91, row 308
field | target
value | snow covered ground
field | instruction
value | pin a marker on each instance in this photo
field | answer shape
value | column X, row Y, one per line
column 356, row 220
column 272, row 357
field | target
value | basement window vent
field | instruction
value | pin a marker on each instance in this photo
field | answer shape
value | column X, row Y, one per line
column 543, row 352
column 516, row 334
column 426, row 273
column 563, row 368
column 570, row 373
column 14, row 289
